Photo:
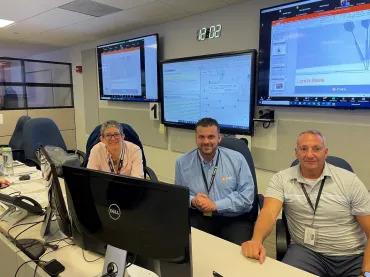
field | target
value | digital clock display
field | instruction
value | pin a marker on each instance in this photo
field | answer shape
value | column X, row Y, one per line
column 211, row 32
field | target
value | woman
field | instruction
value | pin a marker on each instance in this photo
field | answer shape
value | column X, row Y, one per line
column 114, row 154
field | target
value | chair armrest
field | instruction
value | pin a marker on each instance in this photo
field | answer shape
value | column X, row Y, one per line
column 150, row 173
column 281, row 239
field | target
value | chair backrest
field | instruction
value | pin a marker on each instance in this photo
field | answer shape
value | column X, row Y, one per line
column 16, row 141
column 130, row 135
column 40, row 132
column 241, row 145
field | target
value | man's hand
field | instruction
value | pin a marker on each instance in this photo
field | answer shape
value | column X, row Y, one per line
column 254, row 249
column 4, row 183
column 202, row 202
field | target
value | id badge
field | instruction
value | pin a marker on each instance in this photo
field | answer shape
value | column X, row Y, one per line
column 207, row 213
column 310, row 235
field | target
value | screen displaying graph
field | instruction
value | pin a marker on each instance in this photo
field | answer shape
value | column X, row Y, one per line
column 219, row 86
column 128, row 69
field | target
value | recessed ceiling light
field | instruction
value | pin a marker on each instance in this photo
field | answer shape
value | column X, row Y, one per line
column 4, row 22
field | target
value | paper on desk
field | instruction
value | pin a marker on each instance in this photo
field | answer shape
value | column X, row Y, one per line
column 33, row 177
column 27, row 186
column 17, row 163
column 21, row 170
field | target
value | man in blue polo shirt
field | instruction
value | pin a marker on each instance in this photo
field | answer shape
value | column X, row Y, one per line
column 221, row 185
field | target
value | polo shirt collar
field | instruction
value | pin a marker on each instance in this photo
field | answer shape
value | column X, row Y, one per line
column 297, row 176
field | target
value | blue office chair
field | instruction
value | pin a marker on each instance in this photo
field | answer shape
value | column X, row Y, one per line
column 39, row 132
column 131, row 136
column 283, row 238
column 241, row 145
column 16, row 140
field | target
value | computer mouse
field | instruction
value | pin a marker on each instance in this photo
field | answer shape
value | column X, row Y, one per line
column 24, row 177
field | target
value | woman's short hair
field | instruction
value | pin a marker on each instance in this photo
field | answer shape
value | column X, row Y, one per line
column 109, row 124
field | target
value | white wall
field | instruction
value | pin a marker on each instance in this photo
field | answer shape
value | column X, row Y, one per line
column 240, row 31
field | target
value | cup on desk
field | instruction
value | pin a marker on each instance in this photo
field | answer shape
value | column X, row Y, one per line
column 7, row 161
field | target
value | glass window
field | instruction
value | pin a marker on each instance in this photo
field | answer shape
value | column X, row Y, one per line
column 49, row 97
column 10, row 70
column 34, row 84
column 50, row 73
column 12, row 97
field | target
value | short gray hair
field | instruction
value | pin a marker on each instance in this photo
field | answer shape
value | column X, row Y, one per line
column 313, row 132
column 109, row 124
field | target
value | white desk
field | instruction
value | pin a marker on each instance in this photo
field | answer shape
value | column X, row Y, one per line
column 208, row 253
column 211, row 253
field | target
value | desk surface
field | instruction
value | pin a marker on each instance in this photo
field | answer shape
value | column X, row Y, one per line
column 209, row 253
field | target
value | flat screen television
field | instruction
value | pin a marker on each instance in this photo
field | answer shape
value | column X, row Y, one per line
column 315, row 53
column 128, row 69
column 220, row 86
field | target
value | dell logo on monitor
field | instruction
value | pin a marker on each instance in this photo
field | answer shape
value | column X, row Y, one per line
column 114, row 211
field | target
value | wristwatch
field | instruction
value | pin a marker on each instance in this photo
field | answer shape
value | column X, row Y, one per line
column 367, row 274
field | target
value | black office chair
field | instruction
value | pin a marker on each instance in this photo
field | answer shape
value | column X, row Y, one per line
column 241, row 145
column 283, row 238
column 131, row 136
column 39, row 132
column 16, row 140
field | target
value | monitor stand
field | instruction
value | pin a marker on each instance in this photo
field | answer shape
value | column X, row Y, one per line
column 50, row 230
column 115, row 262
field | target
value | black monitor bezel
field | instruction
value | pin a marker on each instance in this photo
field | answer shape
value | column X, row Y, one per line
column 133, row 99
column 223, row 128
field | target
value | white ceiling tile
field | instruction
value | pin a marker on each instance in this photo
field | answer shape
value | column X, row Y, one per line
column 126, row 4
column 236, row 1
column 158, row 11
column 196, row 6
column 50, row 20
column 23, row 9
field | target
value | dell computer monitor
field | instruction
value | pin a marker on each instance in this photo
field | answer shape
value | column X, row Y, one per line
column 315, row 53
column 128, row 69
column 146, row 218
column 220, row 86
column 56, row 212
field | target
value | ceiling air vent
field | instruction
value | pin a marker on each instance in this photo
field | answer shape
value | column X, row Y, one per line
column 89, row 8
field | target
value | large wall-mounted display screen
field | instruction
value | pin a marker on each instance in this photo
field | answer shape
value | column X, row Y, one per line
column 315, row 53
column 219, row 86
column 128, row 70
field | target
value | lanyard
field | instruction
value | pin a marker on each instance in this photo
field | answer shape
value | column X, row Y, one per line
column 111, row 166
column 213, row 173
column 317, row 198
